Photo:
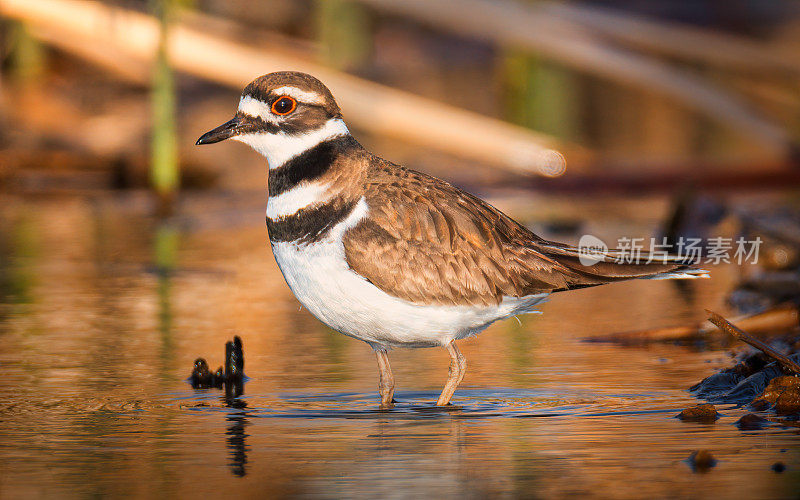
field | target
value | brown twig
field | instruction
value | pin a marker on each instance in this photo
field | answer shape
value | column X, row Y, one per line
column 773, row 321
column 738, row 333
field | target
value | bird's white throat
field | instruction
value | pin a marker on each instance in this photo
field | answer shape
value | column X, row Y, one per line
column 280, row 147
column 299, row 197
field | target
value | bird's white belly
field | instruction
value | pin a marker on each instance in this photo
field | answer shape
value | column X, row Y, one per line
column 320, row 278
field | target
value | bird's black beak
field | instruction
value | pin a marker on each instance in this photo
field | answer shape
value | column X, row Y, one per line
column 225, row 131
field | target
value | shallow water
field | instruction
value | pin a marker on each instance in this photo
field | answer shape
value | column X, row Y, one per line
column 102, row 312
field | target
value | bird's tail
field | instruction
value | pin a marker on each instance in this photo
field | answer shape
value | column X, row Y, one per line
column 599, row 266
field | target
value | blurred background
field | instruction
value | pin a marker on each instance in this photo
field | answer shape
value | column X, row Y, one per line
column 656, row 92
column 126, row 251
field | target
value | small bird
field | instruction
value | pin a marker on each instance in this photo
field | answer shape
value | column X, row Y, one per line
column 388, row 255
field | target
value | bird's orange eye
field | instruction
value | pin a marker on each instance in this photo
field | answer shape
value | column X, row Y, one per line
column 284, row 105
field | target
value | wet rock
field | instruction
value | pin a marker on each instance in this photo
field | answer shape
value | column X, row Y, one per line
column 752, row 386
column 759, row 405
column 751, row 422
column 740, row 383
column 778, row 385
column 702, row 460
column 782, row 394
column 699, row 413
column 778, row 467
column 788, row 402
column 715, row 385
column 745, row 382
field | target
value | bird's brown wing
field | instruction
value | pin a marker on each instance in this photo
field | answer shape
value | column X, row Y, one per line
column 428, row 242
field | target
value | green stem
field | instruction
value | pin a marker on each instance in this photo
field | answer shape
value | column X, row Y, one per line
column 164, row 173
column 541, row 95
column 28, row 56
column 344, row 33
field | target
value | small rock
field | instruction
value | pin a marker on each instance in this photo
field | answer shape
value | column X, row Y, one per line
column 702, row 460
column 751, row 422
column 778, row 467
column 699, row 413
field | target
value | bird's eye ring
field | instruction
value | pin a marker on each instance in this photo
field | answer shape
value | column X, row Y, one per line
column 284, row 105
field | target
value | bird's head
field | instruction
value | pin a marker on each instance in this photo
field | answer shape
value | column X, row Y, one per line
column 281, row 114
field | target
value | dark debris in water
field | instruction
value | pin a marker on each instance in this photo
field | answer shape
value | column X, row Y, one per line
column 231, row 375
column 202, row 378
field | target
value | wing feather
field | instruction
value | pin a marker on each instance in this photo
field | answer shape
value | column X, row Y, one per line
column 428, row 242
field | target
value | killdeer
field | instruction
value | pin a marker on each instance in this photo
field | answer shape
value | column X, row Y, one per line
column 391, row 256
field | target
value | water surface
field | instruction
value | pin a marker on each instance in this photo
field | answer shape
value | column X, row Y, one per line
column 103, row 310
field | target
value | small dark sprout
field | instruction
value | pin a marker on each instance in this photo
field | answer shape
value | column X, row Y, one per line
column 284, row 105
column 232, row 375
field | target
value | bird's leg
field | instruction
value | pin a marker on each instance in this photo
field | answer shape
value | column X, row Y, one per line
column 458, row 367
column 386, row 382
